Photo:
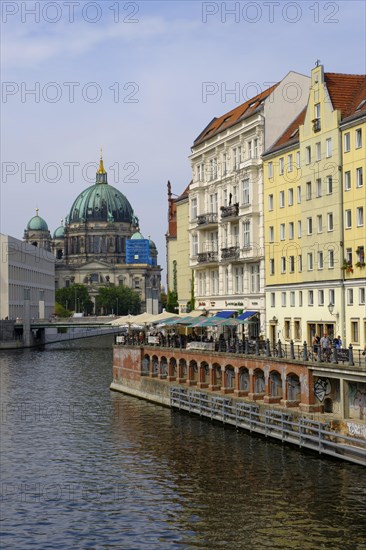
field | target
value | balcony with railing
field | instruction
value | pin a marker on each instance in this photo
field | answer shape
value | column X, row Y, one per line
column 230, row 253
column 207, row 219
column 230, row 211
column 208, row 257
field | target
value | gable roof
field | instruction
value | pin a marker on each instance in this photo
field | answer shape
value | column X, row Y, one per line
column 234, row 116
column 290, row 136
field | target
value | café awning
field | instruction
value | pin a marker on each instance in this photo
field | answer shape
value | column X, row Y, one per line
column 247, row 316
column 225, row 314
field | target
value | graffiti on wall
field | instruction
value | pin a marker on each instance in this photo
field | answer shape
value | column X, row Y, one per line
column 357, row 400
column 322, row 388
column 356, row 429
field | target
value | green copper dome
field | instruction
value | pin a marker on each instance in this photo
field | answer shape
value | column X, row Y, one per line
column 137, row 236
column 59, row 233
column 101, row 202
column 37, row 223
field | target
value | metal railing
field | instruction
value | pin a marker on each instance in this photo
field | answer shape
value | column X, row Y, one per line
column 303, row 432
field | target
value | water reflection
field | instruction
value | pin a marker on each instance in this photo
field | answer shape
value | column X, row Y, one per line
column 84, row 467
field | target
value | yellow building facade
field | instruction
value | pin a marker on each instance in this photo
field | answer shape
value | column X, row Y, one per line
column 307, row 288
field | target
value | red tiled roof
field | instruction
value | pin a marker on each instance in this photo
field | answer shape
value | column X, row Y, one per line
column 346, row 91
column 185, row 193
column 289, row 136
column 233, row 116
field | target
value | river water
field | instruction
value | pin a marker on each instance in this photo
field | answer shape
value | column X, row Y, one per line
column 84, row 467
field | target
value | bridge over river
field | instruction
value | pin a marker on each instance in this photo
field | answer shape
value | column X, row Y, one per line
column 40, row 332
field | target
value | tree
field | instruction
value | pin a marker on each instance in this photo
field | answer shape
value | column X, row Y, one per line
column 120, row 300
column 74, row 298
column 172, row 302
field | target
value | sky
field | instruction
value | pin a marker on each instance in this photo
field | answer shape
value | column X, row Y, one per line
column 141, row 80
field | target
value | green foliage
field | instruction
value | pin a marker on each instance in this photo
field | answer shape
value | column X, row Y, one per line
column 61, row 311
column 192, row 301
column 74, row 298
column 120, row 300
column 172, row 302
column 163, row 299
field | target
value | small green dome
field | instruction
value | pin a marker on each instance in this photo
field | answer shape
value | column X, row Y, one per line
column 59, row 233
column 37, row 224
column 137, row 236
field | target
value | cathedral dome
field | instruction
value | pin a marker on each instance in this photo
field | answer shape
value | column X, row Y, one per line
column 59, row 233
column 37, row 223
column 101, row 202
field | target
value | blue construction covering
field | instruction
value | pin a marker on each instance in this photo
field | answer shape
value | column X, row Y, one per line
column 138, row 251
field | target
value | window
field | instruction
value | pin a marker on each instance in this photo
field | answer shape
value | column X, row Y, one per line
column 361, row 296
column 292, row 264
column 289, row 163
column 214, row 168
column 225, row 197
column 299, row 261
column 308, row 190
column 211, row 170
column 281, row 166
column 320, row 297
column 283, row 299
column 246, row 234
column 317, row 110
column 300, row 298
column 238, row 280
column 359, row 216
column 292, row 298
column 250, row 150
column 214, row 282
column 198, row 172
column 213, row 203
column 283, row 264
column 331, row 296
column 330, row 221
column 318, row 184
column 355, row 331
column 270, row 169
column 299, row 229
column 308, row 155
column 254, row 278
column 271, row 266
column 329, row 185
column 331, row 258
column 282, row 199
column 318, row 154
column 273, row 299
column 310, row 261
column 282, row 232
column 361, row 254
column 358, row 138
column 348, row 219
column 235, row 194
column 328, row 145
column 320, row 260
column 310, row 226
column 350, row 296
column 290, row 197
column 291, row 230
column 194, row 209
column 271, row 234
column 347, row 180
column 310, row 297
column 298, row 194
column 270, row 202
column 297, row 330
column 236, row 157
column 255, row 148
column 359, row 177
column 349, row 255
column 298, row 164
column 320, row 223
column 346, row 142
column 202, row 284
column 194, row 245
column 224, row 164
column 246, row 197
column 226, row 281
column 287, row 329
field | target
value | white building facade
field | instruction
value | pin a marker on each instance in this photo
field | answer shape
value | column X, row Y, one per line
column 27, row 280
column 226, row 199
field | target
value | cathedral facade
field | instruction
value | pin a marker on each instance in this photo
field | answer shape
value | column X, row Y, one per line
column 99, row 244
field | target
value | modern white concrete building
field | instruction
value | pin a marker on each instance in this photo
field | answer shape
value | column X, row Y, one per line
column 27, row 280
column 226, row 199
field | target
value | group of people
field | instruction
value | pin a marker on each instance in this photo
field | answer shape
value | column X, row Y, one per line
column 326, row 344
